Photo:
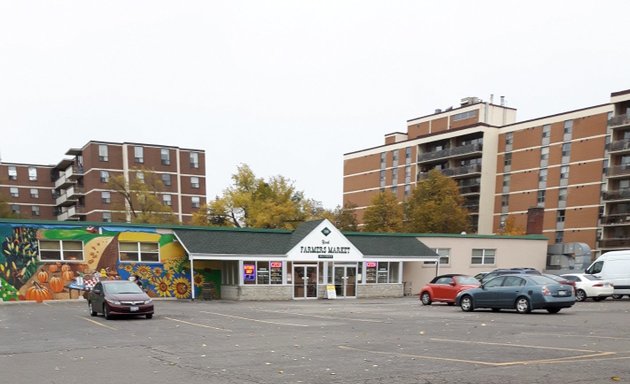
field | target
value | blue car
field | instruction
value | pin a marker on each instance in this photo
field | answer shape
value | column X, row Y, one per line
column 521, row 292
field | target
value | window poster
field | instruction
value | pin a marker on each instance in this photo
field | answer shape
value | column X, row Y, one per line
column 249, row 272
column 276, row 272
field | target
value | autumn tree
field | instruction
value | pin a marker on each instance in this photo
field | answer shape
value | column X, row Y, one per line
column 255, row 202
column 436, row 206
column 5, row 209
column 345, row 218
column 141, row 198
column 511, row 228
column 385, row 214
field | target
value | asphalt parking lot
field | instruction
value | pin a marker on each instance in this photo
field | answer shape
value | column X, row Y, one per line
column 336, row 341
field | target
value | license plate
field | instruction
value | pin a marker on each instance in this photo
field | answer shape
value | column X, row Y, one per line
column 562, row 293
column 133, row 309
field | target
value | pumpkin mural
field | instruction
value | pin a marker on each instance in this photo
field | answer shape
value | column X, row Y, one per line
column 42, row 276
column 56, row 284
column 38, row 293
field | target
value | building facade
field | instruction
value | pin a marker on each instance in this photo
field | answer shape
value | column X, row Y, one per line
column 77, row 188
column 575, row 165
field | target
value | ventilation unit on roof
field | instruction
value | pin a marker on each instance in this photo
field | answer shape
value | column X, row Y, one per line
column 469, row 101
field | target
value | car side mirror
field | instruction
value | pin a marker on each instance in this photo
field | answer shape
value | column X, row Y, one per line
column 452, row 283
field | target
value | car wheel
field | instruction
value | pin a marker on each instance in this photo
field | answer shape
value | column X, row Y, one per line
column 425, row 298
column 617, row 297
column 598, row 298
column 580, row 295
column 466, row 303
column 522, row 305
column 496, row 309
column 106, row 313
column 149, row 316
column 91, row 309
column 553, row 310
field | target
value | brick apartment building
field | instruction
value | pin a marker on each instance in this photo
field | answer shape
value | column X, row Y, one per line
column 574, row 165
column 77, row 187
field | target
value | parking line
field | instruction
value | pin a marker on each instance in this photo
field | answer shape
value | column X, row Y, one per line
column 97, row 323
column 197, row 324
column 418, row 356
column 322, row 317
column 515, row 345
column 256, row 320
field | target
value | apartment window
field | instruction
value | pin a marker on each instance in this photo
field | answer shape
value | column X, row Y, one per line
column 60, row 250
column 102, row 153
column 566, row 149
column 464, row 115
column 506, row 181
column 104, row 177
column 165, row 156
column 34, row 193
column 394, row 189
column 610, row 115
column 505, row 200
column 195, row 201
column 106, row 197
column 140, row 177
column 394, row 176
column 167, row 200
column 546, row 131
column 568, row 127
column 542, row 175
column 564, row 172
column 395, row 158
column 166, row 179
column 407, row 189
column 382, row 178
column 194, row 182
column 194, row 160
column 507, row 159
column 541, row 198
column 107, row 217
column 382, row 160
column 14, row 192
column 35, row 210
column 32, row 173
column 407, row 174
column 509, row 138
column 138, row 155
column 483, row 256
column 15, row 209
column 139, row 252
column 559, row 236
column 408, row 155
column 562, row 194
column 12, row 173
column 544, row 153
column 560, row 216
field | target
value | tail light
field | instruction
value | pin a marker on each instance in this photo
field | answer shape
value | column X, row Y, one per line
column 598, row 285
column 546, row 291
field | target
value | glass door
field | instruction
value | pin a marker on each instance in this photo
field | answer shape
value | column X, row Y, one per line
column 346, row 280
column 304, row 281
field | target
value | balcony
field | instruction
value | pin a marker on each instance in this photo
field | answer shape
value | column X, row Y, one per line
column 620, row 194
column 69, row 197
column 616, row 219
column 619, row 170
column 63, row 182
column 72, row 213
column 465, row 170
column 619, row 121
column 463, row 150
column 621, row 243
column 619, row 146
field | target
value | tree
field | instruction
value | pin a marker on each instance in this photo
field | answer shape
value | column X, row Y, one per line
column 5, row 209
column 436, row 206
column 141, row 198
column 345, row 219
column 254, row 202
column 510, row 228
column 385, row 214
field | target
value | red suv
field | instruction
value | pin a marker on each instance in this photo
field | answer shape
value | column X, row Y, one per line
column 444, row 288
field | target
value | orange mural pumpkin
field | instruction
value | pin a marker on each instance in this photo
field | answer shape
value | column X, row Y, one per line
column 38, row 293
column 56, row 284
column 52, row 268
column 42, row 276
column 67, row 275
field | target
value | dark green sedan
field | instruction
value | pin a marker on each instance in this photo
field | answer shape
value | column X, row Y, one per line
column 524, row 293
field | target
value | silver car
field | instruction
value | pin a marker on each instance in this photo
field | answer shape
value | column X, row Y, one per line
column 521, row 292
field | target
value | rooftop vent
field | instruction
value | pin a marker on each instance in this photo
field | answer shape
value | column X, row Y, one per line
column 469, row 101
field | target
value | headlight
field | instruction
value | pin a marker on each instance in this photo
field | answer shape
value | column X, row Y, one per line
column 115, row 302
column 148, row 301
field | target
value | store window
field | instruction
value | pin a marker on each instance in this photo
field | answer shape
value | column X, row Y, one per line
column 483, row 256
column 139, row 252
column 60, row 250
column 262, row 272
column 382, row 272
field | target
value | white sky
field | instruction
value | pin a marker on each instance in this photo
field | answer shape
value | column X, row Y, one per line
column 288, row 87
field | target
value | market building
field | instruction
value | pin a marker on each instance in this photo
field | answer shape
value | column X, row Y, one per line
column 57, row 260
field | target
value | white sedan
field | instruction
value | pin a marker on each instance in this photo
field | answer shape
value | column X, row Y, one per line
column 590, row 286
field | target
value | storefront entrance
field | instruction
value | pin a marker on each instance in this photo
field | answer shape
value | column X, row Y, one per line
column 305, row 282
column 346, row 280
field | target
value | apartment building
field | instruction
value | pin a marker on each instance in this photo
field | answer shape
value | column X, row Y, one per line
column 575, row 165
column 77, row 187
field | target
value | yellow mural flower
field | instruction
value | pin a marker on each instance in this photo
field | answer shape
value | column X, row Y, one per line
column 163, row 286
column 128, row 268
column 157, row 271
column 181, row 286
column 144, row 271
column 198, row 278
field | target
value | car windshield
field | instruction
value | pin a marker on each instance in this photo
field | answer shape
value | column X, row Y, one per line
column 467, row 280
column 118, row 288
column 542, row 280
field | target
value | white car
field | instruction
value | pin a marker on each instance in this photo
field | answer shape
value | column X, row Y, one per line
column 590, row 286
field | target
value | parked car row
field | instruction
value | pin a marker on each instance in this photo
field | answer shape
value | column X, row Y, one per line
column 522, row 289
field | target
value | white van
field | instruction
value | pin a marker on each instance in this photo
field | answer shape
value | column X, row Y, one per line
column 614, row 267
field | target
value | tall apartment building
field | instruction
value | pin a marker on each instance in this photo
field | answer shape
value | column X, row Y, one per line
column 574, row 165
column 77, row 187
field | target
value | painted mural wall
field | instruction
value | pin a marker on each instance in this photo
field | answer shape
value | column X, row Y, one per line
column 48, row 262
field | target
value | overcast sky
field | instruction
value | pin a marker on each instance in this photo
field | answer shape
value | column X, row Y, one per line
column 288, row 87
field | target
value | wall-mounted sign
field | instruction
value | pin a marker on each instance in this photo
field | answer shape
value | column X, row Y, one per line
column 324, row 256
